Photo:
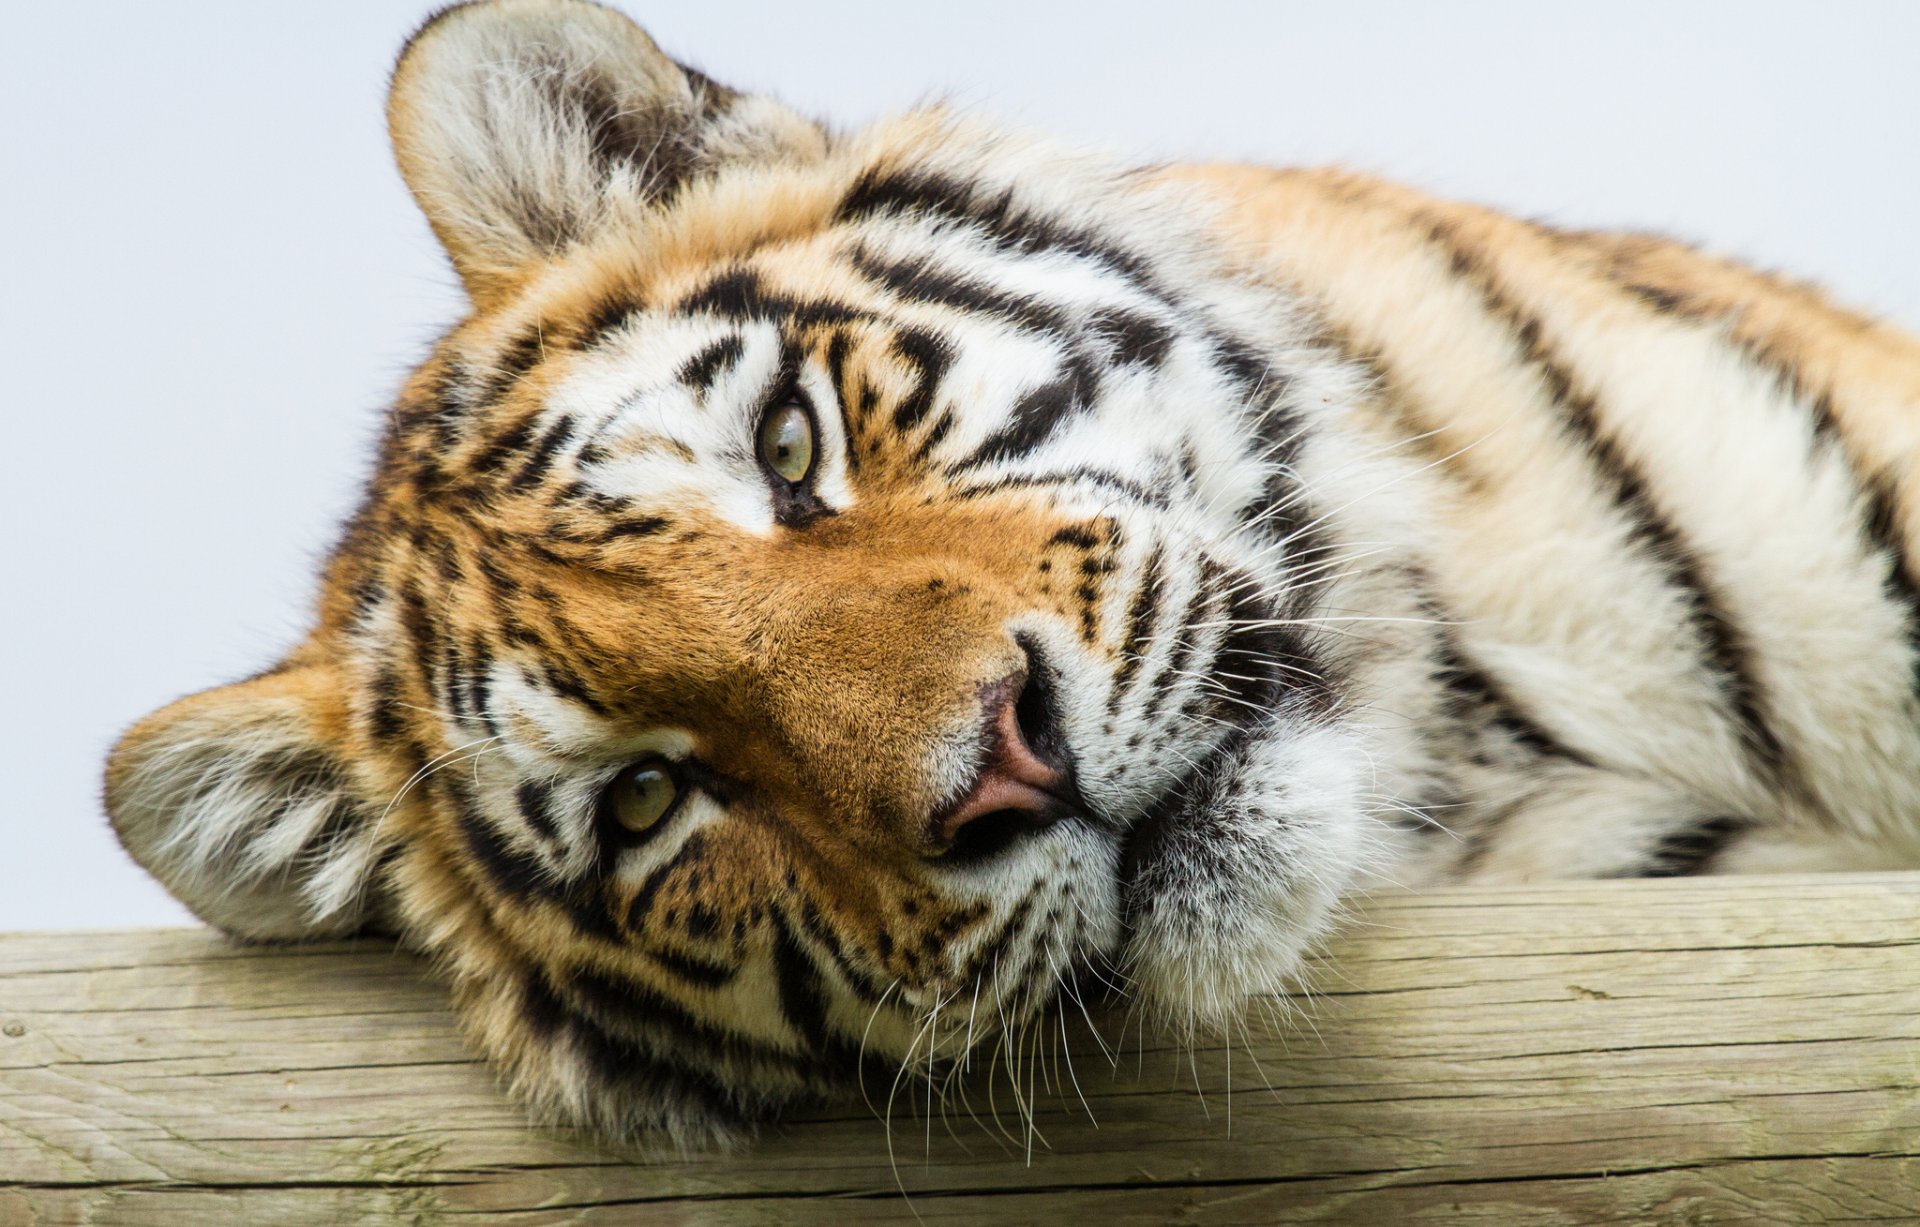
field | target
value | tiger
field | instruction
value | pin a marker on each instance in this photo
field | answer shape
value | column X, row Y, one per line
column 837, row 596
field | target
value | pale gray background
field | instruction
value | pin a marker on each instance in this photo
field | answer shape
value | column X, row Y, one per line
column 213, row 279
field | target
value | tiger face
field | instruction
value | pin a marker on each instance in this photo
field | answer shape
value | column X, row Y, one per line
column 832, row 592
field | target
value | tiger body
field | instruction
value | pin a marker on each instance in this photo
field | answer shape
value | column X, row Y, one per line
column 1668, row 527
column 1175, row 555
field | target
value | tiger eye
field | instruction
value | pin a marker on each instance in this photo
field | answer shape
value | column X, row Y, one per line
column 786, row 443
column 642, row 795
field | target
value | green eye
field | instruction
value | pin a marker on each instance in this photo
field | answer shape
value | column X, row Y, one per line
column 642, row 795
column 786, row 443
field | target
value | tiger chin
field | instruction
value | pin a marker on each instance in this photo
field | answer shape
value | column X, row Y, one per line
column 835, row 589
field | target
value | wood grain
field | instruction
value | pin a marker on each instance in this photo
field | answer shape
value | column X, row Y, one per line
column 1720, row 1050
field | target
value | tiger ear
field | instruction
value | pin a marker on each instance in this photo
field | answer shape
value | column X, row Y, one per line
column 523, row 126
column 239, row 801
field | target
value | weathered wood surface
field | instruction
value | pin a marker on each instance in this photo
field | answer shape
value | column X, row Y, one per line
column 1741, row 1051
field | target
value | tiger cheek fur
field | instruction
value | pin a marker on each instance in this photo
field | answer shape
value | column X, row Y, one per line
column 835, row 590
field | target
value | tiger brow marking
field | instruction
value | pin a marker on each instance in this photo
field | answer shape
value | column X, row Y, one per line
column 739, row 293
column 921, row 280
column 699, row 371
column 994, row 213
column 608, row 316
column 1729, row 656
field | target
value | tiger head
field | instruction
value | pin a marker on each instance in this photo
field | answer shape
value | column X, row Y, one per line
column 803, row 615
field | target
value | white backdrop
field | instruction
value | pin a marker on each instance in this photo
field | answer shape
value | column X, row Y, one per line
column 213, row 279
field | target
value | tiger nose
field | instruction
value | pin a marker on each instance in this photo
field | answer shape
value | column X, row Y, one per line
column 1023, row 784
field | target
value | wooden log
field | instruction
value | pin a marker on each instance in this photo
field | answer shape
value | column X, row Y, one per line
column 1718, row 1050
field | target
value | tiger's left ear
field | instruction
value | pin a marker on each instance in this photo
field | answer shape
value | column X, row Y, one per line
column 524, row 126
column 240, row 801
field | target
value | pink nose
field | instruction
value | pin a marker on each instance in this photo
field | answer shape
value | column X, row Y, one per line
column 1013, row 781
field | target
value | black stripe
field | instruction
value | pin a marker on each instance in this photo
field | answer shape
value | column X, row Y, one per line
column 416, row 622
column 1285, row 514
column 1250, row 367
column 837, row 350
column 609, row 315
column 694, row 970
column 1038, row 414
column 1729, row 657
column 516, row 875
column 699, row 370
column 1880, row 522
column 931, row 438
column 739, row 294
column 1258, row 661
column 533, row 797
column 922, row 281
column 478, row 673
column 692, row 851
column 930, row 356
column 1477, row 699
column 799, row 983
column 1132, row 338
column 1666, row 302
column 1692, row 849
column 863, row 984
column 440, row 412
column 567, row 684
column 1161, row 678
column 1009, row 225
column 1063, row 477
column 1881, row 527
column 384, row 718
column 642, row 1040
column 1142, row 611
column 629, row 1007
column 540, row 459
column 512, row 364
column 644, row 526
column 504, row 444
column 642, row 1023
column 520, row 876
column 1207, row 590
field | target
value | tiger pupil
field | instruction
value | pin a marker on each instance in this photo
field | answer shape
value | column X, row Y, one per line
column 786, row 443
column 645, row 796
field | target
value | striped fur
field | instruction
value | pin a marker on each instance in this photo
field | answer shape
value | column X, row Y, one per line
column 1329, row 534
